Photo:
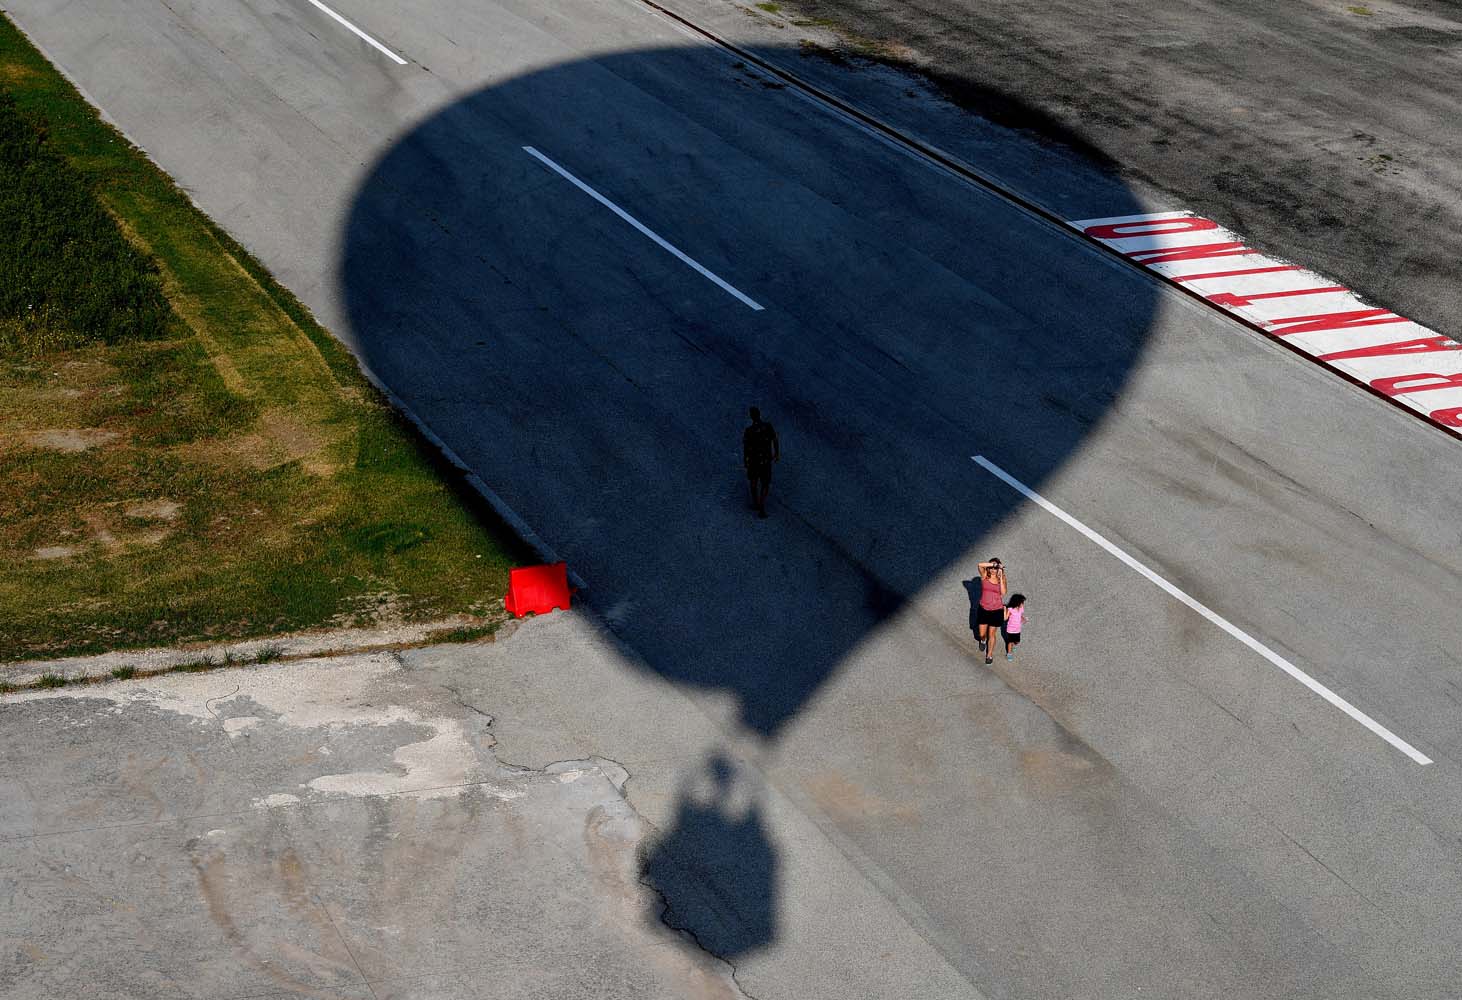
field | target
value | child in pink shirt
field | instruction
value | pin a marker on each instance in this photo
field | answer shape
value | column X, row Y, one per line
column 1014, row 622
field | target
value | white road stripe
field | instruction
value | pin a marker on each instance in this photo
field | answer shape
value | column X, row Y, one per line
column 361, row 34
column 724, row 286
column 1212, row 616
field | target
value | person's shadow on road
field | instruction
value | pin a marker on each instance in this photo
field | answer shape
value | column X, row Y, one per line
column 973, row 588
column 716, row 867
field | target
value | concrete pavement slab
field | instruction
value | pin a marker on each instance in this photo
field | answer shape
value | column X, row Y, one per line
column 374, row 844
column 370, row 834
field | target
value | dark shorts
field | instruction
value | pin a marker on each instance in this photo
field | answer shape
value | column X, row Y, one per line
column 759, row 473
column 996, row 617
column 1011, row 638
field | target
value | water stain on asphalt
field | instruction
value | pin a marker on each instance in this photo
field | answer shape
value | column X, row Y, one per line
column 1052, row 769
column 847, row 802
column 216, row 885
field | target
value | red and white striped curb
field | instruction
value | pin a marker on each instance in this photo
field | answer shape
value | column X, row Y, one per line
column 1392, row 356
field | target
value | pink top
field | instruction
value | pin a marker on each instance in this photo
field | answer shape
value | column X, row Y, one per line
column 990, row 598
column 1017, row 615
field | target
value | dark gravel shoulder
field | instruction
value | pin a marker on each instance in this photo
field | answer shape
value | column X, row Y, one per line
column 1328, row 133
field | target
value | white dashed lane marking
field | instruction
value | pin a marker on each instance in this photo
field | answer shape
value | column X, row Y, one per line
column 360, row 34
column 646, row 231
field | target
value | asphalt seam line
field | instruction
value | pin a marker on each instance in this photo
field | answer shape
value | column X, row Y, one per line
column 969, row 173
column 1223, row 623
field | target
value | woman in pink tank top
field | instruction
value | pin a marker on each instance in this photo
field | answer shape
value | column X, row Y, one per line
column 990, row 615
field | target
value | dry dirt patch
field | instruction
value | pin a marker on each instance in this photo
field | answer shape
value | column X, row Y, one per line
column 69, row 439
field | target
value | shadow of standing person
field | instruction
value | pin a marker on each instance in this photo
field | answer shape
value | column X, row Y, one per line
column 715, row 866
column 972, row 587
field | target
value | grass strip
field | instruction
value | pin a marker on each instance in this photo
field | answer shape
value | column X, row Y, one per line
column 185, row 454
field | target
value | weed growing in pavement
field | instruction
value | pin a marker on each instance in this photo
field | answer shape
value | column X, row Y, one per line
column 123, row 673
column 268, row 654
column 6, row 687
column 51, row 681
column 195, row 666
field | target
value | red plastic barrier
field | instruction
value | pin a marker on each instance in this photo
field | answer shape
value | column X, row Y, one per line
column 538, row 589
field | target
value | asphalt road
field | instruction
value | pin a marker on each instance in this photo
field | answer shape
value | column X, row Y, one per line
column 1139, row 800
column 1323, row 131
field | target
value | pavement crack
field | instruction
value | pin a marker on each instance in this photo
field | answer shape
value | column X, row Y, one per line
column 1222, row 707
column 1338, row 877
column 685, row 933
column 460, row 699
column 344, row 944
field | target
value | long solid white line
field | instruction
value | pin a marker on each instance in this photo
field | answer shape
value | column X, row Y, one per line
column 1211, row 615
column 664, row 245
column 367, row 38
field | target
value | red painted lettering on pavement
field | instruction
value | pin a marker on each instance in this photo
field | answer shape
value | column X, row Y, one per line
column 1425, row 345
column 1232, row 274
column 1150, row 227
column 1335, row 321
column 1167, row 255
column 1231, row 299
column 1398, row 385
column 1349, row 352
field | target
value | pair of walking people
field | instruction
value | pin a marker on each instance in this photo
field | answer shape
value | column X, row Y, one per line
column 997, row 613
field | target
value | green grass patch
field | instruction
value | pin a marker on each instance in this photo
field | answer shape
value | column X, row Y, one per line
column 197, row 666
column 66, row 263
column 185, row 454
column 51, row 681
column 770, row 8
column 123, row 673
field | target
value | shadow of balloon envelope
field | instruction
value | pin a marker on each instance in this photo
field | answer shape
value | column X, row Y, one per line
column 600, row 385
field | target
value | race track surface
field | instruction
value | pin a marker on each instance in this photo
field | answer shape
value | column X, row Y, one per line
column 1325, row 132
column 578, row 244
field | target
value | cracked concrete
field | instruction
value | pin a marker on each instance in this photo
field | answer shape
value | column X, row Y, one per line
column 320, row 829
column 359, row 827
